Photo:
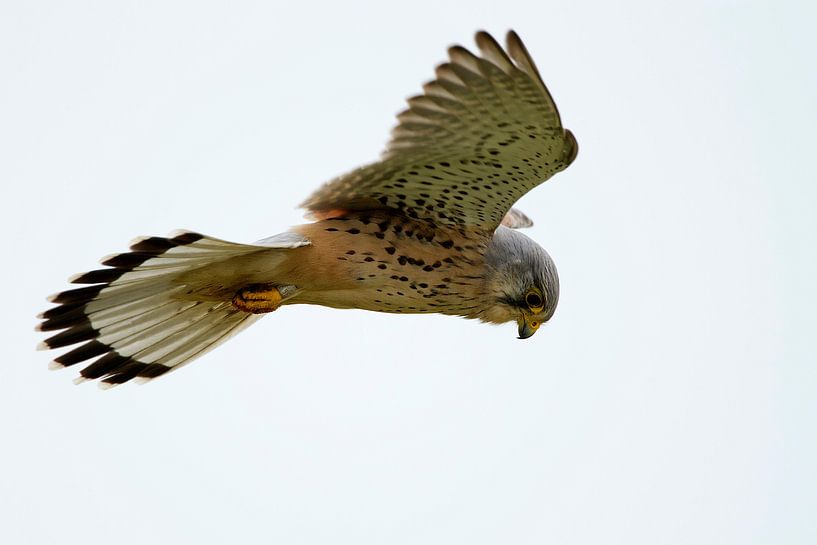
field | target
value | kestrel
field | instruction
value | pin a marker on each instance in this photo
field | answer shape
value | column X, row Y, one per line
column 428, row 228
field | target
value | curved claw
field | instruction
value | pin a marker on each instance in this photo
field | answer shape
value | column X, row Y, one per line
column 261, row 298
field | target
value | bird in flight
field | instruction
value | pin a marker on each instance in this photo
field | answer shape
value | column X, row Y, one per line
column 429, row 228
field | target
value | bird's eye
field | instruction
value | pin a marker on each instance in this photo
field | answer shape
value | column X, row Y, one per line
column 533, row 300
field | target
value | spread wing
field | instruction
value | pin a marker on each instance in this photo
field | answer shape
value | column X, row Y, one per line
column 483, row 134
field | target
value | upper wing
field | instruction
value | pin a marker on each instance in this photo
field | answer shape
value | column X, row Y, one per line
column 485, row 132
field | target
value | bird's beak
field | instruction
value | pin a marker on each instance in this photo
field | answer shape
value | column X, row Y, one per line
column 528, row 326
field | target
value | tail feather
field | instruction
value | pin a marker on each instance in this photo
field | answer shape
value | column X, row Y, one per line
column 143, row 315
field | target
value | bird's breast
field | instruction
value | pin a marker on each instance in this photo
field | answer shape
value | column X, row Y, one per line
column 383, row 263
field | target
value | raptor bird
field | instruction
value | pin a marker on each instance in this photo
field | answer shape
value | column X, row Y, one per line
column 428, row 228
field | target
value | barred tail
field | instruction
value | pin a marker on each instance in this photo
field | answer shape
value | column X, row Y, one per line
column 155, row 308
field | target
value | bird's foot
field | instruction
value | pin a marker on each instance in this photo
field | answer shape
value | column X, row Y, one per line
column 261, row 298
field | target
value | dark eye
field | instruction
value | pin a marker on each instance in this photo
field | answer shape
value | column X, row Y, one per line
column 533, row 300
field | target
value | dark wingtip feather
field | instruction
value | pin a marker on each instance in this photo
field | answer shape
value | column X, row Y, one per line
column 153, row 245
column 459, row 52
column 76, row 296
column 492, row 51
column 188, row 237
column 83, row 331
column 159, row 245
column 73, row 315
column 112, row 368
column 98, row 276
column 519, row 53
column 56, row 312
column 125, row 373
column 153, row 370
column 107, row 364
column 85, row 352
column 129, row 260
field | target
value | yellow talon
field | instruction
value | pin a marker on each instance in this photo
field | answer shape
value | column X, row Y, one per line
column 258, row 298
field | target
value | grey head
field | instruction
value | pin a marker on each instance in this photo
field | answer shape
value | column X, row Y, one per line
column 521, row 282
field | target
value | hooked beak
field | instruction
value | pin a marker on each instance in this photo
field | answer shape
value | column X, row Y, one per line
column 528, row 326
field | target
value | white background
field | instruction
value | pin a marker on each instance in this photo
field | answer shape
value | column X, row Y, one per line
column 671, row 400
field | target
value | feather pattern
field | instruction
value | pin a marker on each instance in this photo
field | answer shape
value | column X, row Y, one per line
column 485, row 132
column 145, row 315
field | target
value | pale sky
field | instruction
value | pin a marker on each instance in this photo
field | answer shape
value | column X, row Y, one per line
column 671, row 400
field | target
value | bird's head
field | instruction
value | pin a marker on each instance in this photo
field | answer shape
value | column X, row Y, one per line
column 521, row 280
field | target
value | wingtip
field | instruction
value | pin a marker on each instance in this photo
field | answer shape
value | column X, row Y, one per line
column 179, row 232
column 516, row 47
column 107, row 258
column 55, row 365
column 106, row 385
column 453, row 50
column 134, row 241
column 483, row 38
column 184, row 236
column 42, row 346
column 79, row 380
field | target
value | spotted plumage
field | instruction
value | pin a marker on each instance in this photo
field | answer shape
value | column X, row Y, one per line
column 427, row 229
